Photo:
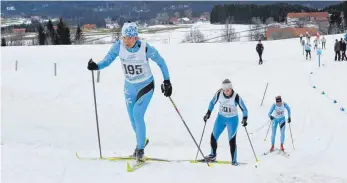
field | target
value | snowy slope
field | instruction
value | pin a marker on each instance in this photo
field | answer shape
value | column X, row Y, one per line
column 46, row 119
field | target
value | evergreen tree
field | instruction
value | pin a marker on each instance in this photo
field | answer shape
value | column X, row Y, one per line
column 52, row 36
column 41, row 35
column 3, row 42
column 79, row 35
column 63, row 33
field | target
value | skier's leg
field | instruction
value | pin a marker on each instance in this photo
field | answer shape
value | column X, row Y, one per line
column 130, row 98
column 274, row 129
column 143, row 98
column 232, row 126
column 218, row 128
column 282, row 125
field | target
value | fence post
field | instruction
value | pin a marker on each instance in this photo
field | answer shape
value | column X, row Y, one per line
column 16, row 65
column 98, row 77
column 55, row 69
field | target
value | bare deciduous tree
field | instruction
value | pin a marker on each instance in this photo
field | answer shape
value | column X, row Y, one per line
column 188, row 13
column 194, row 36
column 229, row 34
column 269, row 20
column 256, row 30
column 177, row 14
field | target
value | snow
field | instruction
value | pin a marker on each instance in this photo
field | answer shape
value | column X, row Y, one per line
column 47, row 118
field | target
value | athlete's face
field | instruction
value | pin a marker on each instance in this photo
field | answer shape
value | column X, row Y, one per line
column 227, row 92
column 129, row 41
column 279, row 103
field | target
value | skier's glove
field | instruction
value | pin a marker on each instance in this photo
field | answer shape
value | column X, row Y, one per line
column 272, row 118
column 244, row 121
column 207, row 115
column 92, row 65
column 289, row 120
column 166, row 88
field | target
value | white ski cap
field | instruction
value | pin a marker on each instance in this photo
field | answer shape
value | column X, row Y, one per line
column 226, row 84
column 129, row 29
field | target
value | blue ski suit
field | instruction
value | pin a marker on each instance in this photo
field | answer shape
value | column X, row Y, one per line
column 227, row 117
column 139, row 81
column 279, row 120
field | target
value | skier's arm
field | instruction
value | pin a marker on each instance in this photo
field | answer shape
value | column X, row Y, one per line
column 288, row 109
column 271, row 110
column 111, row 56
column 156, row 57
column 242, row 105
column 214, row 100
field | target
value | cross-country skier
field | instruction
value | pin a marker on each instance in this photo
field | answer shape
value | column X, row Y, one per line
column 278, row 119
column 308, row 49
column 227, row 117
column 260, row 49
column 139, row 81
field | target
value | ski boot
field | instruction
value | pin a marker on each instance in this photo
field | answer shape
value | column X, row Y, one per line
column 140, row 155
column 134, row 154
column 272, row 148
column 234, row 163
column 282, row 148
column 210, row 158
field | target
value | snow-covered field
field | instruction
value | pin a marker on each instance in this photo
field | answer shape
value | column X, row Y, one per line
column 46, row 118
column 175, row 34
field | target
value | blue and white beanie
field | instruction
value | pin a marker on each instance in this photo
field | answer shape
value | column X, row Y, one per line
column 129, row 29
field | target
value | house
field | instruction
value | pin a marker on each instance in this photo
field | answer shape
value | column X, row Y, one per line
column 184, row 20
column 274, row 33
column 19, row 31
column 89, row 26
column 321, row 19
column 111, row 24
column 174, row 20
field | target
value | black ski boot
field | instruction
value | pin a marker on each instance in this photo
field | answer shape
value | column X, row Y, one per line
column 146, row 143
column 140, row 155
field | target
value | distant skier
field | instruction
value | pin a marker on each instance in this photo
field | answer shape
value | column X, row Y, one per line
column 139, row 81
column 315, row 41
column 278, row 119
column 301, row 37
column 323, row 42
column 227, row 117
column 337, row 49
column 343, row 50
column 308, row 50
column 308, row 37
column 260, row 49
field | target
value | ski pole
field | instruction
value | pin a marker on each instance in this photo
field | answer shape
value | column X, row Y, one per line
column 196, row 157
column 188, row 130
column 291, row 135
column 256, row 159
column 96, row 115
column 264, row 94
column 267, row 131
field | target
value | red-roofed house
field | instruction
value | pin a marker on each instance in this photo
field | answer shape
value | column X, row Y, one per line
column 274, row 33
column 319, row 18
column 174, row 20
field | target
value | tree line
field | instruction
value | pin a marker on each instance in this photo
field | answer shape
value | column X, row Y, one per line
column 243, row 13
column 49, row 34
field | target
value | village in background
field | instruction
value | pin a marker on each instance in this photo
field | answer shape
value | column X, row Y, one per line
column 186, row 27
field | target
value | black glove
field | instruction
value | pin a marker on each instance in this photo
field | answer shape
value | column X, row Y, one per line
column 166, row 88
column 244, row 121
column 289, row 120
column 92, row 65
column 272, row 118
column 207, row 115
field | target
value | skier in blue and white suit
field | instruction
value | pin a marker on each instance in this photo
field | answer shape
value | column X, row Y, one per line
column 227, row 117
column 278, row 119
column 139, row 81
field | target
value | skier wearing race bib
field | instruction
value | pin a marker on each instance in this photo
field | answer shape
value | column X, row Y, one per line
column 278, row 119
column 139, row 81
column 228, row 117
